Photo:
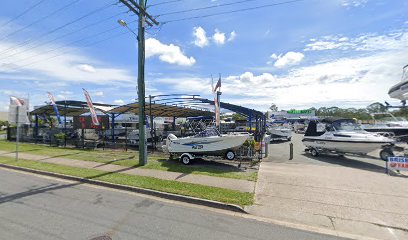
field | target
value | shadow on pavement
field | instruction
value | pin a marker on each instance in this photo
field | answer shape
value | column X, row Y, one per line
column 348, row 162
column 52, row 187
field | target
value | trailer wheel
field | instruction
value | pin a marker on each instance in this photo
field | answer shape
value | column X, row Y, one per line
column 230, row 155
column 314, row 152
column 185, row 159
column 385, row 154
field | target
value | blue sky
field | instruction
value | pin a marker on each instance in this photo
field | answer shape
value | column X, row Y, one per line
column 344, row 53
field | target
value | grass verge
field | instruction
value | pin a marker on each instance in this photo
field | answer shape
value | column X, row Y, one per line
column 157, row 161
column 186, row 189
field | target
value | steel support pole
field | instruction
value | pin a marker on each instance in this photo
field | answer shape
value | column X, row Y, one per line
column 17, row 130
column 113, row 128
column 152, row 130
column 65, row 125
column 141, row 85
column 36, row 128
column 250, row 122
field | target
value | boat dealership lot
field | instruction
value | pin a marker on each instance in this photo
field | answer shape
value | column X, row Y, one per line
column 346, row 194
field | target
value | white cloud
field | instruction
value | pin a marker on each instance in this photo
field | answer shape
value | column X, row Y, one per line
column 219, row 37
column 119, row 102
column 366, row 42
column 86, row 68
column 232, row 36
column 289, row 59
column 201, row 39
column 356, row 80
column 57, row 63
column 167, row 53
column 97, row 93
column 353, row 3
column 187, row 84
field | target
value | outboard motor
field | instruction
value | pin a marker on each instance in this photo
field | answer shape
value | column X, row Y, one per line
column 169, row 139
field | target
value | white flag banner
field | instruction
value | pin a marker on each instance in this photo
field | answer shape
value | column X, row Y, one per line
column 94, row 116
column 22, row 114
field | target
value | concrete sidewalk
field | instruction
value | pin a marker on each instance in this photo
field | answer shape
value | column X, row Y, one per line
column 227, row 183
column 349, row 194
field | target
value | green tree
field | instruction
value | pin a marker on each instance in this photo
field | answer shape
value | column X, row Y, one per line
column 376, row 107
column 237, row 116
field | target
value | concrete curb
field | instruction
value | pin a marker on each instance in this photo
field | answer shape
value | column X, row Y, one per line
column 170, row 196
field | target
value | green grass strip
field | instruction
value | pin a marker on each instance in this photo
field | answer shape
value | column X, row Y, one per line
column 186, row 189
column 157, row 161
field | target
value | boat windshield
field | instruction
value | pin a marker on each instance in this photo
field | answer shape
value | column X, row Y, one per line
column 387, row 117
column 405, row 74
column 348, row 125
column 209, row 132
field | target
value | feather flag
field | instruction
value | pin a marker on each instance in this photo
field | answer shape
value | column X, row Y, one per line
column 54, row 106
column 94, row 117
column 218, row 85
column 216, row 103
column 16, row 101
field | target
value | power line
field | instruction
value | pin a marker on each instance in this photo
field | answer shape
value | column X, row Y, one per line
column 67, row 34
column 157, row 4
column 208, row 7
column 76, row 41
column 58, row 28
column 65, row 52
column 23, row 13
column 41, row 19
column 233, row 11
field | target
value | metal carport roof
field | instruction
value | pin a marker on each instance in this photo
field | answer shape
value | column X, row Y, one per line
column 162, row 110
column 70, row 108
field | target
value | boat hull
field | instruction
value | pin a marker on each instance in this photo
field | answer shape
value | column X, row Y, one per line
column 399, row 91
column 355, row 147
column 397, row 133
column 214, row 145
column 280, row 133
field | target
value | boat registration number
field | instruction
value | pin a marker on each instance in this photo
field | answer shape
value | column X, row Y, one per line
column 198, row 147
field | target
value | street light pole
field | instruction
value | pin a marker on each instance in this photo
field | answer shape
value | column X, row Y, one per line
column 141, row 86
column 140, row 11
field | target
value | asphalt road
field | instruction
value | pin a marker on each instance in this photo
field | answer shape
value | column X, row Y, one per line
column 34, row 207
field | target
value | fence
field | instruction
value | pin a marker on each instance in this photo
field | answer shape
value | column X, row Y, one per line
column 81, row 138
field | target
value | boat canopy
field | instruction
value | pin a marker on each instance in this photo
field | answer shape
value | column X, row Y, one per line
column 311, row 130
column 208, row 132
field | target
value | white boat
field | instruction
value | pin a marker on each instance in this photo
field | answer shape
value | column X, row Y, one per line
column 207, row 143
column 345, row 136
column 280, row 133
column 133, row 137
column 400, row 90
column 388, row 125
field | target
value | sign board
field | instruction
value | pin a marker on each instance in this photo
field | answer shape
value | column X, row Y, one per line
column 85, row 122
column 130, row 118
column 397, row 163
column 307, row 111
column 22, row 112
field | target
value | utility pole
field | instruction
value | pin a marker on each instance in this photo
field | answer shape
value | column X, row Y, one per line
column 144, row 17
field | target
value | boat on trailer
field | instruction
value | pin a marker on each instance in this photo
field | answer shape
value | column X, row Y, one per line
column 206, row 143
column 345, row 136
